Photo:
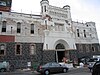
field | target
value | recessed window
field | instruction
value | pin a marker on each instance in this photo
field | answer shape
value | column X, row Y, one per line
column 32, row 49
column 46, row 46
column 32, row 28
column 78, row 34
column 93, row 49
column 87, row 48
column 44, row 8
column 4, row 26
column 80, row 48
column 84, row 33
column 18, row 49
column 2, row 49
column 18, row 27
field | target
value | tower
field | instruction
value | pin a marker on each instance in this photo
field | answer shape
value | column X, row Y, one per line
column 67, row 7
column 44, row 7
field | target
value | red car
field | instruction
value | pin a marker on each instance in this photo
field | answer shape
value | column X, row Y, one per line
column 51, row 67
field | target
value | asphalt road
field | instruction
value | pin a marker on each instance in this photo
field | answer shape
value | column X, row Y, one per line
column 75, row 71
column 79, row 71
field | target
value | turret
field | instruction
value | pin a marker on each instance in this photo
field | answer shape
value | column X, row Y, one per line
column 67, row 7
column 44, row 7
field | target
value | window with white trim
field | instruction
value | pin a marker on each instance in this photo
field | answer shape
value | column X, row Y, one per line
column 32, row 49
column 2, row 49
column 4, row 26
column 32, row 29
column 18, row 27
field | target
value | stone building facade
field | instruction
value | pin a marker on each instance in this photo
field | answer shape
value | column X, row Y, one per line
column 47, row 37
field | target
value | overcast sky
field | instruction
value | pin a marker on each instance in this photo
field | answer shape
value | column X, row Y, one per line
column 81, row 10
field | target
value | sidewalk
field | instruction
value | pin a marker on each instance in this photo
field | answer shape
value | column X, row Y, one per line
column 25, row 71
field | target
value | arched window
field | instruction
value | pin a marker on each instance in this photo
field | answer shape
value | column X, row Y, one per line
column 32, row 29
column 18, row 27
column 4, row 26
column 44, row 8
column 2, row 49
column 84, row 33
column 32, row 49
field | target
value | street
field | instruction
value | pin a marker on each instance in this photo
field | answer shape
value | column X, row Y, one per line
column 78, row 71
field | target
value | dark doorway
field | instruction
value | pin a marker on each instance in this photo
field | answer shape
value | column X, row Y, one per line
column 60, row 54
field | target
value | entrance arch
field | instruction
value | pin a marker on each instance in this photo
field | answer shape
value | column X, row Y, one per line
column 61, row 47
column 61, row 42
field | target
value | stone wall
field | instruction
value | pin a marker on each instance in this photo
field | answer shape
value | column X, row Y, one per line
column 85, row 50
column 20, row 61
column 49, row 56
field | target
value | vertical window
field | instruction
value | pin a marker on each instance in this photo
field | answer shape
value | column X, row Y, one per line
column 32, row 28
column 18, row 49
column 32, row 49
column 46, row 46
column 78, row 34
column 87, row 48
column 46, row 23
column 18, row 27
column 4, row 26
column 84, row 33
column 44, row 8
column 98, row 48
column 80, row 48
column 93, row 49
column 2, row 49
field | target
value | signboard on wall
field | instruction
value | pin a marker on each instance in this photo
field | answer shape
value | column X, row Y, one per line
column 5, row 5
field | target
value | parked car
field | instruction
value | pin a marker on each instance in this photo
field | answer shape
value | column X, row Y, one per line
column 96, row 68
column 91, row 63
column 4, row 66
column 51, row 67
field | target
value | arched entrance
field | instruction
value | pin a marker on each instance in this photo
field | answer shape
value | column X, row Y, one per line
column 60, row 52
column 61, row 48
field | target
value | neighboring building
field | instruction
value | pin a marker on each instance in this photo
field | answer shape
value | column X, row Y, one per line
column 26, row 38
column 5, row 5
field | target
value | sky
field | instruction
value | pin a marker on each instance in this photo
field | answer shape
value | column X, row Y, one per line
column 81, row 10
